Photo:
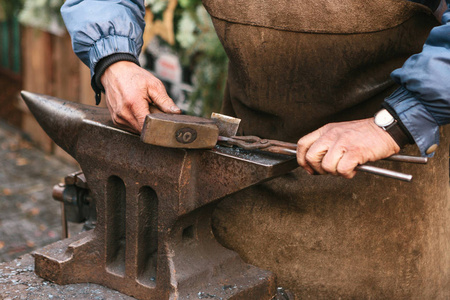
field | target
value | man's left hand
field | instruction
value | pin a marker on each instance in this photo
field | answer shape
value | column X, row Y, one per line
column 337, row 148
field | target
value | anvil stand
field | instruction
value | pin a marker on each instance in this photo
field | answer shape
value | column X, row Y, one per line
column 153, row 238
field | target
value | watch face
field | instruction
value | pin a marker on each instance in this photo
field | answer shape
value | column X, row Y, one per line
column 383, row 118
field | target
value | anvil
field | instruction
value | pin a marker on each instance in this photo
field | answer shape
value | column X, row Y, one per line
column 153, row 238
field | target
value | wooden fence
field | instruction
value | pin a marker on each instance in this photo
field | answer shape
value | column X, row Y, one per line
column 50, row 67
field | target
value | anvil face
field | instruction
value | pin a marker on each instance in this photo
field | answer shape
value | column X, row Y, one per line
column 153, row 238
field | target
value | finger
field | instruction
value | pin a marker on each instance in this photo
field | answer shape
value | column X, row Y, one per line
column 346, row 166
column 127, row 122
column 303, row 146
column 315, row 155
column 159, row 97
column 139, row 111
column 331, row 159
column 123, row 117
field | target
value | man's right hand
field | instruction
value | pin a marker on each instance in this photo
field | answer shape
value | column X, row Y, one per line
column 129, row 89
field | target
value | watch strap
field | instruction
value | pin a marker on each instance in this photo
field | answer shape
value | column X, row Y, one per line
column 397, row 133
column 399, row 123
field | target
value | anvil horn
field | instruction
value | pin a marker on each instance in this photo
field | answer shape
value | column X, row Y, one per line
column 61, row 119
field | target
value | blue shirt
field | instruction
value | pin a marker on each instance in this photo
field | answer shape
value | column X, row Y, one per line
column 423, row 100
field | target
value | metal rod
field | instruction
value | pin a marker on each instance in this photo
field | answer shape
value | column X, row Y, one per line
column 408, row 159
column 384, row 172
column 290, row 151
column 374, row 170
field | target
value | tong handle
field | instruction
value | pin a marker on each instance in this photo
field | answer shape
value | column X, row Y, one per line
column 254, row 142
column 291, row 149
column 395, row 157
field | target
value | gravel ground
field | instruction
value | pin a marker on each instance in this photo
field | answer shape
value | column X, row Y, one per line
column 29, row 217
column 18, row 281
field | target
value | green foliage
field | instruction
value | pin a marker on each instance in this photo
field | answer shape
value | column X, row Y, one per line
column 199, row 49
column 43, row 14
column 202, row 48
column 9, row 8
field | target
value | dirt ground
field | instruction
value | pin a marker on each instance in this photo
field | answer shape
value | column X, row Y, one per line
column 29, row 217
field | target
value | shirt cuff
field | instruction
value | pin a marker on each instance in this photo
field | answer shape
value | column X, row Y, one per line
column 101, row 67
column 109, row 45
column 104, row 53
column 420, row 123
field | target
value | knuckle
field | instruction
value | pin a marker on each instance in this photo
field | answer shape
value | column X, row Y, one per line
column 334, row 131
column 311, row 158
column 329, row 126
column 328, row 168
column 353, row 149
column 117, row 120
column 118, row 115
column 345, row 171
column 135, row 106
column 301, row 143
column 157, row 85
column 127, row 105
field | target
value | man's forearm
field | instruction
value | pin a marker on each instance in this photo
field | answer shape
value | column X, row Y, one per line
column 423, row 101
column 101, row 28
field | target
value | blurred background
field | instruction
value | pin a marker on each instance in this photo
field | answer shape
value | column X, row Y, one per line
column 180, row 47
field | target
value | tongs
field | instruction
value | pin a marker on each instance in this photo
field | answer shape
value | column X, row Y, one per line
column 250, row 142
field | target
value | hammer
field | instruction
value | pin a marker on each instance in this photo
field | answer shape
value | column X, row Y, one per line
column 183, row 131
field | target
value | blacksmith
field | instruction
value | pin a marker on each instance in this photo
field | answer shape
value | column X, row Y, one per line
column 319, row 70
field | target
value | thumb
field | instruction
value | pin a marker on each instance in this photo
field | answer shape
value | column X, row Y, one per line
column 159, row 97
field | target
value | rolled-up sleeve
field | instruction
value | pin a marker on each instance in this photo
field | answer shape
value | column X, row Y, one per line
column 423, row 100
column 101, row 28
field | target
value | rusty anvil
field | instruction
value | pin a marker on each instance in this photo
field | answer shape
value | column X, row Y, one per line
column 153, row 238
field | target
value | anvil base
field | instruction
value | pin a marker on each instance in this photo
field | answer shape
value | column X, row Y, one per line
column 18, row 281
column 231, row 278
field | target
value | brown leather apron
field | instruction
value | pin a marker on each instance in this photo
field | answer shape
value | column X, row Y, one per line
column 295, row 66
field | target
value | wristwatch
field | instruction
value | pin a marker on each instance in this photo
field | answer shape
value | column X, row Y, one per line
column 387, row 122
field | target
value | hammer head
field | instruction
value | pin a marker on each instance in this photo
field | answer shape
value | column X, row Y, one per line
column 228, row 126
column 182, row 131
